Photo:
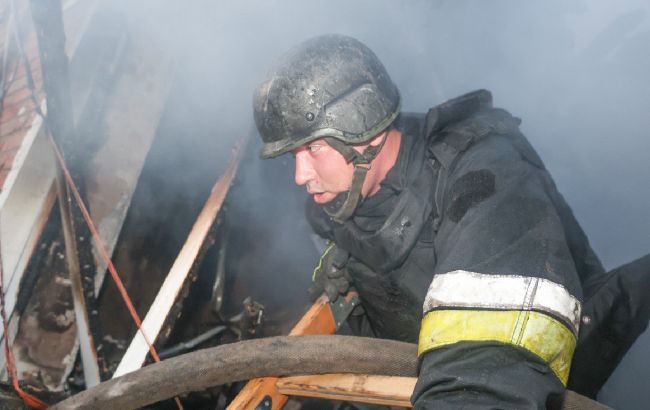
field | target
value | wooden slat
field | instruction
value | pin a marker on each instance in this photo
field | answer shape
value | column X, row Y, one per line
column 80, row 264
column 255, row 391
column 360, row 388
column 23, row 218
column 131, row 117
column 162, row 304
column 317, row 321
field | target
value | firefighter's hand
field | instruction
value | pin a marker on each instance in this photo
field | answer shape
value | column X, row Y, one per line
column 331, row 276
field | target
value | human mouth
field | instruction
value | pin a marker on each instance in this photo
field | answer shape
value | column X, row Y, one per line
column 317, row 195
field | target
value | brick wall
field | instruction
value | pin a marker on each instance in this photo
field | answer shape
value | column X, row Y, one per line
column 17, row 110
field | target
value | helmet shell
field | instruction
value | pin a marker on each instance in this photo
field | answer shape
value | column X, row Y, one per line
column 328, row 86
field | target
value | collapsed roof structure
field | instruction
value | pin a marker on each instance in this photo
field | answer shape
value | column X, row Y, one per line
column 101, row 99
column 90, row 95
column 91, row 197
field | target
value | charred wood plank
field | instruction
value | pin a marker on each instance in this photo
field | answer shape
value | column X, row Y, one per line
column 186, row 261
column 48, row 21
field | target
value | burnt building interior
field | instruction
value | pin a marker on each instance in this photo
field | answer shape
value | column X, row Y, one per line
column 149, row 212
column 209, row 242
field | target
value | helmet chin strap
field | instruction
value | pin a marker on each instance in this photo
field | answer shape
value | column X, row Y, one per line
column 341, row 212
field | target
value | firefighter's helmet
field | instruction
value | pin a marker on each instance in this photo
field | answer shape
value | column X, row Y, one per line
column 328, row 86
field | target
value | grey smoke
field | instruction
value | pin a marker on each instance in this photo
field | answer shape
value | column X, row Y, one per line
column 576, row 72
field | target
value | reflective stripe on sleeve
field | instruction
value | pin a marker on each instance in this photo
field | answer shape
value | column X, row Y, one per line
column 536, row 332
column 471, row 290
column 318, row 267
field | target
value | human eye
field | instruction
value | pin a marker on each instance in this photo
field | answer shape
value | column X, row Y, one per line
column 314, row 147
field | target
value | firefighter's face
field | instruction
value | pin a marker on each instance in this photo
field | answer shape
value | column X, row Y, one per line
column 323, row 170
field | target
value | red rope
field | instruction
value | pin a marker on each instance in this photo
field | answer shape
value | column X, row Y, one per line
column 103, row 253
column 84, row 211
column 86, row 215
column 10, row 363
column 100, row 245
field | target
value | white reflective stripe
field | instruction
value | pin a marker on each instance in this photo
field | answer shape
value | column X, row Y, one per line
column 465, row 289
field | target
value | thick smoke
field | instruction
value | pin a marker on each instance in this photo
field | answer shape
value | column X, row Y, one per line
column 576, row 72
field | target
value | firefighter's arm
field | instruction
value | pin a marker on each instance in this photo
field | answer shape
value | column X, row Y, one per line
column 502, row 313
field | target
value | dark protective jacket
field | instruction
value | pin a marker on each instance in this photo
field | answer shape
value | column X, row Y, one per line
column 469, row 250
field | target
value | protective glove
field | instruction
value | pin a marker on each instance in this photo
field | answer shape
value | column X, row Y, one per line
column 330, row 275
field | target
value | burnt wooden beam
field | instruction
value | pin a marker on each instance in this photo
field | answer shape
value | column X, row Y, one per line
column 191, row 253
column 48, row 21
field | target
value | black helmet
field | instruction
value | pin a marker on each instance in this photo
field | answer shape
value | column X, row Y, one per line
column 328, row 86
column 332, row 87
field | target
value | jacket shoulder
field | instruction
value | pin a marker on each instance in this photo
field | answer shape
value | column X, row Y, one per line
column 473, row 123
column 450, row 142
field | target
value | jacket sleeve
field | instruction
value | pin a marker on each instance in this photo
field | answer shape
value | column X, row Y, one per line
column 502, row 312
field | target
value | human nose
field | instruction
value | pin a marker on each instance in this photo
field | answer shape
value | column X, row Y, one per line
column 304, row 170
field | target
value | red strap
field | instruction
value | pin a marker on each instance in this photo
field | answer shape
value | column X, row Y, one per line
column 100, row 245
column 30, row 400
column 10, row 363
column 103, row 253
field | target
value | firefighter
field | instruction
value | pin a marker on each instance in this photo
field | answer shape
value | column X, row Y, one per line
column 447, row 224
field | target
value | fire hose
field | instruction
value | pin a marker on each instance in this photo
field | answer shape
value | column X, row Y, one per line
column 274, row 356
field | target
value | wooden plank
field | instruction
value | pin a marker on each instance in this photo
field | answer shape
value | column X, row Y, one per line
column 256, row 391
column 171, row 287
column 48, row 24
column 126, row 127
column 317, row 320
column 23, row 218
column 80, row 300
column 360, row 388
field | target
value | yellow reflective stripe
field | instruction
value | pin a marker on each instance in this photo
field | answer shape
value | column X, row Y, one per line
column 536, row 332
column 473, row 290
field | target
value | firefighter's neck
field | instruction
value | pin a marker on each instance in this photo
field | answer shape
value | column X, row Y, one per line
column 383, row 162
